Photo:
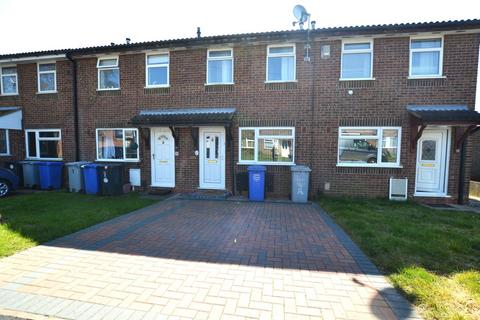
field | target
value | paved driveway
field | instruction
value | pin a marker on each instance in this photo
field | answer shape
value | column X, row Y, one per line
column 202, row 260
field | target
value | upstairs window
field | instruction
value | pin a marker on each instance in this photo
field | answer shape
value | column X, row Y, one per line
column 281, row 63
column 157, row 70
column 108, row 73
column 220, row 66
column 426, row 57
column 44, row 144
column 9, row 83
column 267, row 145
column 47, row 77
column 369, row 146
column 117, row 144
column 4, row 143
column 357, row 60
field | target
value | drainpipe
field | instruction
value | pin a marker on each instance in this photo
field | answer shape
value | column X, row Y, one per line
column 75, row 107
column 461, row 174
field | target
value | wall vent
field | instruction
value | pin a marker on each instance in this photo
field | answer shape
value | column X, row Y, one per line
column 398, row 189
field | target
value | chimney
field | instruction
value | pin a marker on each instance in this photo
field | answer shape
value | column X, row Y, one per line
column 199, row 33
column 127, row 40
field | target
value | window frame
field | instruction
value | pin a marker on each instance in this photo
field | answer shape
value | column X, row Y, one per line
column 1, row 79
column 137, row 159
column 147, row 66
column 355, row 51
column 379, row 137
column 257, row 130
column 440, row 60
column 100, row 68
column 37, row 143
column 231, row 57
column 7, row 142
column 294, row 54
column 39, row 90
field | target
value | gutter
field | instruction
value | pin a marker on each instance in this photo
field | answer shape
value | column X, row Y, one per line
column 75, row 107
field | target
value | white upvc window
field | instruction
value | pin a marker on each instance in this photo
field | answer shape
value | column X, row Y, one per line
column 220, row 66
column 47, row 77
column 281, row 63
column 108, row 73
column 267, row 145
column 157, row 70
column 9, row 80
column 369, row 146
column 117, row 144
column 426, row 57
column 4, row 143
column 44, row 144
column 357, row 60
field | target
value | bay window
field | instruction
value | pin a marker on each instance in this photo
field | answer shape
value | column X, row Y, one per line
column 108, row 73
column 267, row 145
column 9, row 81
column 44, row 144
column 281, row 63
column 47, row 77
column 157, row 70
column 117, row 145
column 426, row 57
column 357, row 60
column 220, row 66
column 4, row 142
column 369, row 146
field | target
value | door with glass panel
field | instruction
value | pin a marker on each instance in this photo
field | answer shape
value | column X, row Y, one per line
column 212, row 158
column 431, row 162
column 163, row 158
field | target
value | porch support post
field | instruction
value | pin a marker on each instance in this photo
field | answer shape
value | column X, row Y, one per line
column 228, row 130
column 468, row 131
column 175, row 137
column 194, row 133
column 415, row 133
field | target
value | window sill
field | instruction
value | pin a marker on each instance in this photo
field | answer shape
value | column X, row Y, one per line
column 431, row 195
column 220, row 84
column 118, row 160
column 5, row 154
column 283, row 81
column 9, row 95
column 115, row 89
column 47, row 92
column 348, row 165
column 156, row 87
column 265, row 164
column 426, row 77
column 357, row 79
column 44, row 159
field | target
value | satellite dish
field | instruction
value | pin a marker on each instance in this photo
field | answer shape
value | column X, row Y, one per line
column 300, row 13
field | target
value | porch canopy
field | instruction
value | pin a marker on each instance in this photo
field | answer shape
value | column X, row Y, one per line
column 11, row 118
column 463, row 120
column 185, row 117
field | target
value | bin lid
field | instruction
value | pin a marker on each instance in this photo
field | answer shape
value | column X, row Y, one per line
column 50, row 163
column 77, row 163
column 257, row 168
column 92, row 165
column 300, row 169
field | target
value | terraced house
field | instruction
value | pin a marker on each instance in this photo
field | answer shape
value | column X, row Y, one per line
column 358, row 105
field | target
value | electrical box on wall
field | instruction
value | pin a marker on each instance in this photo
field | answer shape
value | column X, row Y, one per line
column 325, row 51
column 135, row 177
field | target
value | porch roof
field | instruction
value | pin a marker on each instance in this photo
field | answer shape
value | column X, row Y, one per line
column 11, row 118
column 456, row 115
column 184, row 117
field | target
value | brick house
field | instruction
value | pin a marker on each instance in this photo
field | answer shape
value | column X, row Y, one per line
column 363, row 105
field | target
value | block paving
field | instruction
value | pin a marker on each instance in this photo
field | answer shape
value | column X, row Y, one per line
column 197, row 259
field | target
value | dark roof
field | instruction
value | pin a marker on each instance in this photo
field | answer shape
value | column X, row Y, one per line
column 184, row 116
column 444, row 114
column 263, row 36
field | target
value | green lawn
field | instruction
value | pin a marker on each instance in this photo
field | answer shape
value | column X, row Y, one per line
column 42, row 216
column 432, row 256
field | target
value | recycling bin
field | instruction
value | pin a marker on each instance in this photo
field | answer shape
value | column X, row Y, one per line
column 31, row 177
column 300, row 181
column 75, row 176
column 50, row 174
column 91, row 178
column 256, row 183
column 111, row 179
column 17, row 168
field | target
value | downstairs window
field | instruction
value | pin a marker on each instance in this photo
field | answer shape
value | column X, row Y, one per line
column 44, row 144
column 117, row 145
column 267, row 145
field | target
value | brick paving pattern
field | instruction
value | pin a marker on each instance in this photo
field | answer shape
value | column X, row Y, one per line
column 185, row 259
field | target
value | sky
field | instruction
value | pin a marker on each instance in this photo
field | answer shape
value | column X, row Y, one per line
column 30, row 25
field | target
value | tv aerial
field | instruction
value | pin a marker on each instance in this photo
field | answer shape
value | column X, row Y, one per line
column 303, row 17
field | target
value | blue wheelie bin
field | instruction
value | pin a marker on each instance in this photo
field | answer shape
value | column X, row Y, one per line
column 256, row 183
column 91, row 178
column 50, row 174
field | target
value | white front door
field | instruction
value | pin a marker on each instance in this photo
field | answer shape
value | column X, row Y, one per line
column 432, row 154
column 212, row 158
column 163, row 157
